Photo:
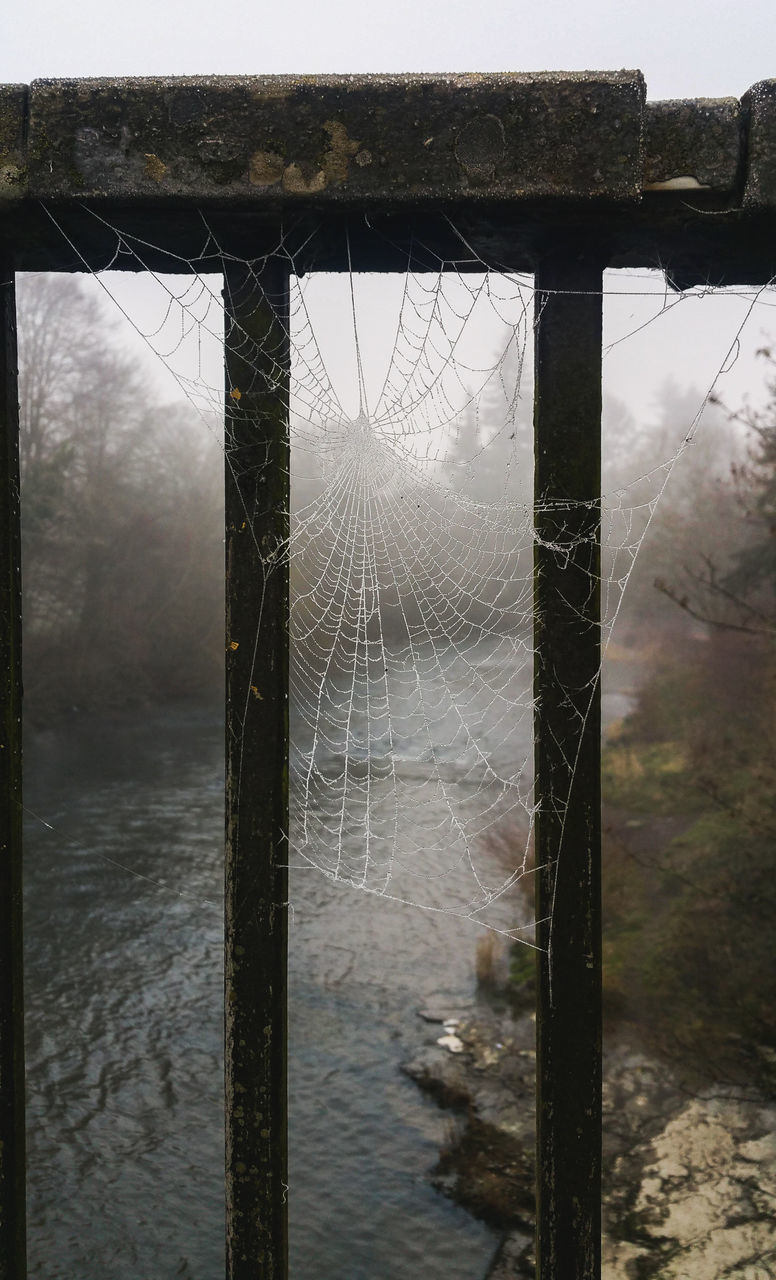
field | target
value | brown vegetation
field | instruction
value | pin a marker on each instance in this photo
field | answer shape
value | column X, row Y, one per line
column 688, row 871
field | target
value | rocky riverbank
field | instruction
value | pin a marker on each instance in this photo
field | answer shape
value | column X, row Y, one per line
column 689, row 1178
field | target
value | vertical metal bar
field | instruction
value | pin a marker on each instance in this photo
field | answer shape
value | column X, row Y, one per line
column 12, row 1154
column 257, row 525
column 567, row 424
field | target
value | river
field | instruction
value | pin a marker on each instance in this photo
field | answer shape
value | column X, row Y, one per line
column 124, row 1029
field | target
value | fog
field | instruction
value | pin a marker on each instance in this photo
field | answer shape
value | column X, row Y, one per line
column 681, row 56
column 652, row 336
column 122, row 463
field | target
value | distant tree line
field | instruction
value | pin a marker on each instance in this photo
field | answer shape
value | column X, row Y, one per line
column 122, row 503
column 122, row 514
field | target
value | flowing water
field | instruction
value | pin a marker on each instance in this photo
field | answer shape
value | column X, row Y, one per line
column 124, row 1047
column 124, row 1030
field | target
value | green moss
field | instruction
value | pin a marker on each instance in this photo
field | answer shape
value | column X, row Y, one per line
column 521, row 983
column 644, row 775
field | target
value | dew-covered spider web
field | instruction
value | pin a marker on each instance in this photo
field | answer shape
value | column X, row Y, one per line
column 410, row 556
column 410, row 624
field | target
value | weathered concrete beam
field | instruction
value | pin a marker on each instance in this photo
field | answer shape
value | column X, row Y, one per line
column 760, row 108
column 268, row 140
column 506, row 159
column 360, row 140
column 14, row 99
column 695, row 144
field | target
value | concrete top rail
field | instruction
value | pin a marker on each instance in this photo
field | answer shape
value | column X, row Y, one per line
column 582, row 147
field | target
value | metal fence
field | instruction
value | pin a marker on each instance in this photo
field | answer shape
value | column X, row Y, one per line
column 562, row 175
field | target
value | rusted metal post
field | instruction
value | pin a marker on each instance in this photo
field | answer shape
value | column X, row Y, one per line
column 257, row 524
column 12, row 1159
column 567, row 424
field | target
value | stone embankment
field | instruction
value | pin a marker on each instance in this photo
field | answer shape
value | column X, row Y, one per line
column 689, row 1178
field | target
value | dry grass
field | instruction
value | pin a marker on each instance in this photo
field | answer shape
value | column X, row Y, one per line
column 489, row 960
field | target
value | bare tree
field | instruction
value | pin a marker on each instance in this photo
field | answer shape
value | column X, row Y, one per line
column 122, row 536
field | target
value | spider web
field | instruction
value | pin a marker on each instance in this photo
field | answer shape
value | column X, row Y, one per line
column 411, row 548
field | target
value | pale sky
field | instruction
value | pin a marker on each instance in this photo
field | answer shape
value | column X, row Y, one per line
column 685, row 48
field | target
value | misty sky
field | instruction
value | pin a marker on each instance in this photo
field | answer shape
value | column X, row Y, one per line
column 684, row 49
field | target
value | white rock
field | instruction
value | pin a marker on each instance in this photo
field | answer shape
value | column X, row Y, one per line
column 452, row 1043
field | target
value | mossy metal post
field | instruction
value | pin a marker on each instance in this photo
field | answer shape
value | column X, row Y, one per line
column 12, row 1157
column 567, row 423
column 257, row 522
